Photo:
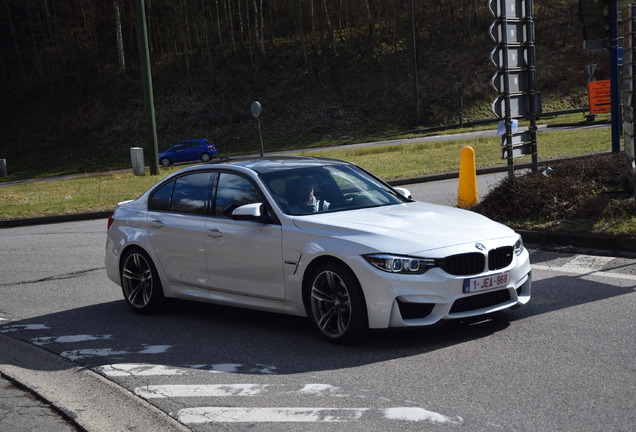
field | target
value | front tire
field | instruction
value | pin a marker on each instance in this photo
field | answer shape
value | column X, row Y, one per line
column 140, row 282
column 335, row 304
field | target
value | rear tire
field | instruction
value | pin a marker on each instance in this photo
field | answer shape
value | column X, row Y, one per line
column 165, row 162
column 205, row 157
column 335, row 304
column 140, row 282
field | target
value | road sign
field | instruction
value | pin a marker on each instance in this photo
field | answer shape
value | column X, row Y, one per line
column 507, row 8
column 517, row 56
column 519, row 105
column 513, row 32
column 517, row 80
column 594, row 15
column 256, row 109
column 590, row 69
column 520, row 150
column 521, row 143
column 594, row 11
column 600, row 96
column 518, row 138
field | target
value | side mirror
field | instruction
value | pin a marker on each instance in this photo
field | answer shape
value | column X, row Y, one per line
column 252, row 212
column 404, row 192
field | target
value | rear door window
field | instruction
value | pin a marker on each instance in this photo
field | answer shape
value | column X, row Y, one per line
column 187, row 194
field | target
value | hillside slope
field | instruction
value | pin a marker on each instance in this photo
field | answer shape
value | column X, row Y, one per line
column 339, row 91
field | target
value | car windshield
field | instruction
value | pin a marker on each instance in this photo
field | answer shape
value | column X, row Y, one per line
column 327, row 188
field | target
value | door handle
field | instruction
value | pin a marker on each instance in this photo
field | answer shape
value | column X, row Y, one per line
column 156, row 223
column 215, row 233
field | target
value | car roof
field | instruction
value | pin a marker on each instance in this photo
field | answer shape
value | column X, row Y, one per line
column 191, row 140
column 265, row 164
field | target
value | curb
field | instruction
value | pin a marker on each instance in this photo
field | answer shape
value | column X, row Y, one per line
column 85, row 398
column 42, row 220
column 609, row 244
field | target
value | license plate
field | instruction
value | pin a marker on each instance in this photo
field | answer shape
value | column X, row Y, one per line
column 485, row 283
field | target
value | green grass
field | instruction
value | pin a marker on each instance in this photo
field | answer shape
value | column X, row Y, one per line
column 413, row 160
column 94, row 193
column 103, row 192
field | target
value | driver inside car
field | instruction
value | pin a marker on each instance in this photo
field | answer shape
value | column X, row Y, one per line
column 302, row 199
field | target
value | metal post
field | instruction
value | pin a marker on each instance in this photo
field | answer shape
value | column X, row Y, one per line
column 532, row 84
column 506, row 92
column 415, row 78
column 615, row 76
column 144, row 59
column 260, row 135
column 460, row 102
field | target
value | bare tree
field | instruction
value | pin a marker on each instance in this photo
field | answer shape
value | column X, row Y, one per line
column 121, row 57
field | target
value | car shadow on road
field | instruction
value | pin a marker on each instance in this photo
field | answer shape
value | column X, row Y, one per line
column 205, row 335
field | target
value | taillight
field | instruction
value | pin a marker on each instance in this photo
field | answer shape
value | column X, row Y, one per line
column 211, row 146
column 111, row 219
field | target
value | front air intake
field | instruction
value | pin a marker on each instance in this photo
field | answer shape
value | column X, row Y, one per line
column 463, row 264
column 414, row 310
column 500, row 258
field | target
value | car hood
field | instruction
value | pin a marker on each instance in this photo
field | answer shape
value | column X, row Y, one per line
column 409, row 228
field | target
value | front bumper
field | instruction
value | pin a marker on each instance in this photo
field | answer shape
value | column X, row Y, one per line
column 410, row 311
column 424, row 300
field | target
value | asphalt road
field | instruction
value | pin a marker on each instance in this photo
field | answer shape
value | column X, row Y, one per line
column 567, row 361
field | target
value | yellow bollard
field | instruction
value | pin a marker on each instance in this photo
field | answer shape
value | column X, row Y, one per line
column 467, row 191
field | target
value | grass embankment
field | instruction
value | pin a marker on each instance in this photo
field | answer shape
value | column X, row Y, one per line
column 587, row 195
column 103, row 192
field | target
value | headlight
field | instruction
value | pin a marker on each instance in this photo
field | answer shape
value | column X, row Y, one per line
column 519, row 247
column 400, row 264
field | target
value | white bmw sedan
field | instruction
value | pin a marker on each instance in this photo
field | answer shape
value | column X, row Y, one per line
column 312, row 237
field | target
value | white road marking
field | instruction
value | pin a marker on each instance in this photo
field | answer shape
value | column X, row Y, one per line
column 136, row 369
column 236, row 368
column 109, row 352
column 202, row 390
column 220, row 368
column 143, row 369
column 319, row 389
column 418, row 414
column 583, row 271
column 267, row 415
column 223, row 390
column 155, row 349
column 17, row 327
column 69, row 339
column 199, row 415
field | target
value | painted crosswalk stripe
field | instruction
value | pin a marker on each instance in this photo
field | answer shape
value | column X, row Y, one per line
column 69, row 339
column 145, row 369
column 139, row 369
column 266, row 415
column 226, row 390
column 18, row 327
column 582, row 271
column 204, row 390
column 109, row 352
column 200, row 415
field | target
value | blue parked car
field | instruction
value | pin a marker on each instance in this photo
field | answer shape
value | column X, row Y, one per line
column 187, row 151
